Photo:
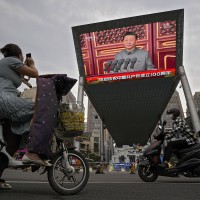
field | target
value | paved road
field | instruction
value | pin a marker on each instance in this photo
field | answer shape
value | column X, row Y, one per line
column 111, row 186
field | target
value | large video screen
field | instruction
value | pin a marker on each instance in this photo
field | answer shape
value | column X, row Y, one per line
column 133, row 48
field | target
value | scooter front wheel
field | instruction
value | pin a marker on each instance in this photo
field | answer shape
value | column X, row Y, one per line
column 68, row 181
column 147, row 174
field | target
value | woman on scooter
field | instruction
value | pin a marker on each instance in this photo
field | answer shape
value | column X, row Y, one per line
column 18, row 112
column 180, row 137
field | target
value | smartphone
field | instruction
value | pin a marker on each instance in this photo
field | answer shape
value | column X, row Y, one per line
column 28, row 55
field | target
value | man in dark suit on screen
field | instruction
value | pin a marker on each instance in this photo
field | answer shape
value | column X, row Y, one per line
column 133, row 58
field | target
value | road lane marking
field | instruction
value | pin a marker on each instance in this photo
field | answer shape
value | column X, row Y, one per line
column 99, row 182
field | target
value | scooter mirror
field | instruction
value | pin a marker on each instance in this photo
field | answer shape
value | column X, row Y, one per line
column 159, row 126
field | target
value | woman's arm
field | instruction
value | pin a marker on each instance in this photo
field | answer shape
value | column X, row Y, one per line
column 28, row 69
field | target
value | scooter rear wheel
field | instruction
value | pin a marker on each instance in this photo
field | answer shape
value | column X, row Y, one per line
column 147, row 174
column 68, row 181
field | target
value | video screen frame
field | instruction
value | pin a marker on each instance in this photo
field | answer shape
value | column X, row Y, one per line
column 177, row 15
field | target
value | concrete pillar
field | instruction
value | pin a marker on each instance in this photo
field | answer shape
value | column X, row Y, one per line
column 189, row 99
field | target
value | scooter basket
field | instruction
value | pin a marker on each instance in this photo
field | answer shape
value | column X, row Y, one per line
column 71, row 117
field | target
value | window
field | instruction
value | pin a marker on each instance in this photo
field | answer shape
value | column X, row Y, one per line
column 82, row 146
column 96, row 140
column 96, row 147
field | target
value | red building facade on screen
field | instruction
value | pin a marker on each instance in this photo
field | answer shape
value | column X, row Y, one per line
column 159, row 39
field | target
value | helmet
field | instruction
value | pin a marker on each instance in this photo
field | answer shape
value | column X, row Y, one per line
column 175, row 112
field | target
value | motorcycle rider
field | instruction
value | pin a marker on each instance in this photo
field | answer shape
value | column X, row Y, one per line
column 179, row 138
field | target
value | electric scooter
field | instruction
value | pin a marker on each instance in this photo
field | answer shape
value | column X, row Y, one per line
column 150, row 165
column 69, row 172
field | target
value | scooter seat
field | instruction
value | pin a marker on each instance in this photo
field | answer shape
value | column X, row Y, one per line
column 195, row 146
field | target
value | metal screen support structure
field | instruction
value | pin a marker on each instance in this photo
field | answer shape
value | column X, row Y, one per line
column 79, row 102
column 189, row 100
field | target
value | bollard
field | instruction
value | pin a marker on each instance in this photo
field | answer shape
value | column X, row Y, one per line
column 132, row 168
column 99, row 169
column 118, row 168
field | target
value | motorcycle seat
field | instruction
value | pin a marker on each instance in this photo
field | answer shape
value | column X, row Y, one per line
column 195, row 146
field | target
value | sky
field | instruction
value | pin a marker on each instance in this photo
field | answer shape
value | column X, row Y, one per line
column 43, row 28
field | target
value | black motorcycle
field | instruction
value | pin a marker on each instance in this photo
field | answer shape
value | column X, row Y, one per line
column 150, row 165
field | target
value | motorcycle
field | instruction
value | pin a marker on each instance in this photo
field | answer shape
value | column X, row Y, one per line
column 69, row 172
column 150, row 165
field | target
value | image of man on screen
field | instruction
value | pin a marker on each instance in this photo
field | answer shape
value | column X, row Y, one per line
column 132, row 58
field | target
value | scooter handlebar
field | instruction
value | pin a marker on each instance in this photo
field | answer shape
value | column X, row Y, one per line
column 160, row 136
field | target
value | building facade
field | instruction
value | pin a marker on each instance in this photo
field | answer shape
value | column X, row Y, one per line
column 196, row 98
column 30, row 93
column 94, row 128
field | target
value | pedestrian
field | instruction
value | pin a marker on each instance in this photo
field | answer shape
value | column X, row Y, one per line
column 17, row 112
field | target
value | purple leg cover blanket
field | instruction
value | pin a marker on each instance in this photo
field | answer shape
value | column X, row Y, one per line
column 50, row 89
